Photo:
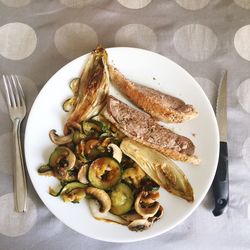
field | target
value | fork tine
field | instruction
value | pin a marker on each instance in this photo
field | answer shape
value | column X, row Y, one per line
column 20, row 90
column 11, row 90
column 16, row 91
column 7, row 95
column 10, row 93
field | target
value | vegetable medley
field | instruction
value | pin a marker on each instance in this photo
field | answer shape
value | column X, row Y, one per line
column 89, row 164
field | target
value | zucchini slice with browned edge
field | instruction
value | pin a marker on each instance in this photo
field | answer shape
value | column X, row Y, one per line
column 45, row 170
column 122, row 199
column 92, row 127
column 67, row 188
column 104, row 173
column 93, row 149
column 62, row 157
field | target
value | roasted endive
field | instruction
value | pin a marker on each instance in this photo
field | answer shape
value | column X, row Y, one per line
column 91, row 91
column 162, row 170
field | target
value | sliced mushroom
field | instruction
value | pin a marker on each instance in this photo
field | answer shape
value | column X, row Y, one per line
column 139, row 225
column 131, row 216
column 82, row 174
column 106, row 216
column 80, row 147
column 143, row 208
column 134, row 174
column 117, row 153
column 150, row 197
column 101, row 196
column 74, row 196
column 157, row 216
column 75, row 126
column 106, row 140
column 60, row 140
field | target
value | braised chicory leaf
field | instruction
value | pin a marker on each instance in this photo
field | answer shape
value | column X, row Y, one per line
column 162, row 170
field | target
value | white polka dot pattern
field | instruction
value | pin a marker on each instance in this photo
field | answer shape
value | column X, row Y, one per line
column 209, row 88
column 195, row 42
column 246, row 150
column 75, row 3
column 6, row 149
column 134, row 4
column 241, row 42
column 201, row 35
column 136, row 35
column 29, row 89
column 75, row 39
column 193, row 4
column 15, row 3
column 243, row 4
column 243, row 93
column 17, row 41
column 14, row 224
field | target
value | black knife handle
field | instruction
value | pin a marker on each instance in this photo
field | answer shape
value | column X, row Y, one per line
column 221, row 182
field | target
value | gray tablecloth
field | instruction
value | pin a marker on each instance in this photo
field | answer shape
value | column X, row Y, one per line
column 204, row 36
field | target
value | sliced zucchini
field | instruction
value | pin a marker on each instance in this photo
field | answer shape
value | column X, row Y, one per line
column 74, row 84
column 77, row 136
column 68, row 104
column 67, row 188
column 92, row 127
column 126, row 162
column 148, row 184
column 122, row 199
column 45, row 170
column 62, row 161
column 104, row 173
column 62, row 157
column 93, row 149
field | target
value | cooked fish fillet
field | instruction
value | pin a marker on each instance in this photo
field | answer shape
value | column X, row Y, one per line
column 92, row 90
column 142, row 128
column 159, row 105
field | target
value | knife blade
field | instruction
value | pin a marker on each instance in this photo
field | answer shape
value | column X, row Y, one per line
column 221, row 181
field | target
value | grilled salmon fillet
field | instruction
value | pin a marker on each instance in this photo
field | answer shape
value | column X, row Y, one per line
column 142, row 128
column 159, row 105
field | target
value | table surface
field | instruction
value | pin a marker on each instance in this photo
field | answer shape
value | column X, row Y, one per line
column 204, row 36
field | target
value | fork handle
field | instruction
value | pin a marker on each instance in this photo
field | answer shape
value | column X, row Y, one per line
column 20, row 187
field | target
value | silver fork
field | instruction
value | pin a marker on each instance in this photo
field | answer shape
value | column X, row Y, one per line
column 17, row 111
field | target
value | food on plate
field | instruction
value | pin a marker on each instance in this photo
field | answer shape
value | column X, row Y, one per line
column 122, row 198
column 162, row 170
column 101, row 196
column 161, row 106
column 143, row 128
column 90, row 93
column 108, row 154
column 104, row 166
column 90, row 165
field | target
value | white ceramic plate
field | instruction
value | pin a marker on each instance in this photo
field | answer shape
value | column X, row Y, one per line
column 146, row 68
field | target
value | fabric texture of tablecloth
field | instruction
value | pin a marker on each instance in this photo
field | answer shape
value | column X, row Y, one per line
column 204, row 36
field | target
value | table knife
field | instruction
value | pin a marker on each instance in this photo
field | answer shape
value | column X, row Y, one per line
column 220, row 184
